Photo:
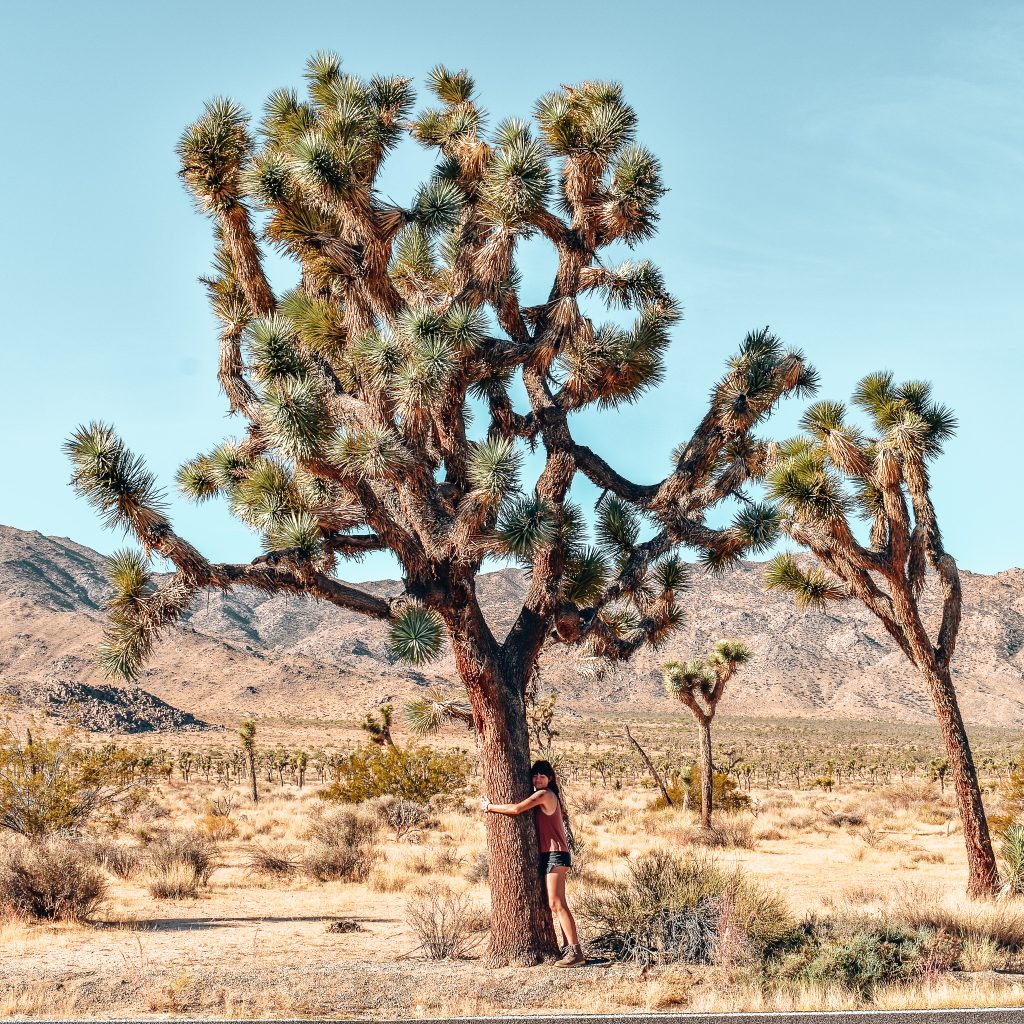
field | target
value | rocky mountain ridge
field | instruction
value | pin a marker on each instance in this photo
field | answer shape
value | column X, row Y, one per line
column 245, row 654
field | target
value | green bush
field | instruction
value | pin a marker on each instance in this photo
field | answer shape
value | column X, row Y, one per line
column 410, row 773
column 674, row 908
column 861, row 954
column 1012, row 855
column 50, row 880
column 725, row 793
column 53, row 785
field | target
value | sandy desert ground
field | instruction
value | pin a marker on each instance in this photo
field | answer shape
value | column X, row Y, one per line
column 251, row 945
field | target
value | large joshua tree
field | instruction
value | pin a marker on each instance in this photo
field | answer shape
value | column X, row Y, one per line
column 834, row 471
column 354, row 390
column 700, row 685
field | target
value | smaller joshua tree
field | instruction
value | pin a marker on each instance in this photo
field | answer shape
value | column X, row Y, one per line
column 699, row 684
column 834, row 471
column 379, row 727
column 247, row 734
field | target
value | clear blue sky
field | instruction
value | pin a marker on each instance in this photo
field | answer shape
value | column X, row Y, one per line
column 850, row 174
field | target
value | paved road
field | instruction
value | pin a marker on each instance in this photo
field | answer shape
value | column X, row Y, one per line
column 1008, row 1016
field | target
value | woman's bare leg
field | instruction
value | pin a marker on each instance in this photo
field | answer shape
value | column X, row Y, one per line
column 560, row 912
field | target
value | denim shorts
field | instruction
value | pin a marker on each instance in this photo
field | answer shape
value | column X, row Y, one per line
column 554, row 859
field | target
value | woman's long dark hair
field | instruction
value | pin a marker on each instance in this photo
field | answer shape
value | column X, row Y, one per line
column 546, row 768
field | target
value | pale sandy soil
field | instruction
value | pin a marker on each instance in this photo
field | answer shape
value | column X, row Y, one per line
column 253, row 947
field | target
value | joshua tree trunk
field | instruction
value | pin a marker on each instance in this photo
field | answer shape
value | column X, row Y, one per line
column 522, row 932
column 253, row 791
column 707, row 770
column 982, row 871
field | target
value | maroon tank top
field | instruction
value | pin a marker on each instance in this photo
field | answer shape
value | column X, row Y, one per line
column 551, row 835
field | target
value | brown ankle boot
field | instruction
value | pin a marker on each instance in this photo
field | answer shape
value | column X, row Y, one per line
column 573, row 957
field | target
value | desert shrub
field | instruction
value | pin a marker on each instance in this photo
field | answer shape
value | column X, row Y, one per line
column 218, row 827
column 444, row 862
column 685, row 792
column 120, row 859
column 587, row 802
column 725, row 833
column 939, row 816
column 926, row 857
column 1011, row 852
column 388, row 878
column 273, row 860
column 447, row 923
column 844, row 819
column 582, row 858
column 800, row 821
column 50, row 880
column 479, row 869
column 862, row 953
column 53, row 785
column 824, row 783
column 341, row 828
column 402, row 817
column 343, row 846
column 673, row 908
column 423, row 864
column 1000, row 922
column 451, row 803
column 410, row 773
column 179, row 865
column 905, row 796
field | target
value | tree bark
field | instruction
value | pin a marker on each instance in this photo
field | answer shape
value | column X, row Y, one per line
column 983, row 872
column 254, row 792
column 522, row 931
column 706, row 771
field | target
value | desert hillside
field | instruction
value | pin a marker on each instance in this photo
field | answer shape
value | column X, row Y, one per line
column 249, row 654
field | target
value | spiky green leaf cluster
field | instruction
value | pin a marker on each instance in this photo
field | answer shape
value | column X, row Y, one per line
column 428, row 714
column 493, row 469
column 615, row 366
column 587, row 575
column 129, row 576
column 687, row 676
column 906, row 413
column 814, row 589
column 114, row 481
column 416, row 635
column 213, row 152
column 525, row 525
column 295, row 532
column 617, row 527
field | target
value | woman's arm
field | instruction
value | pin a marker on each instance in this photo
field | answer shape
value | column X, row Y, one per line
column 534, row 800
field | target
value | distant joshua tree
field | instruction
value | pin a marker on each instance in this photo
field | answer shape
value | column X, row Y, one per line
column 357, row 392
column 378, row 726
column 700, row 684
column 247, row 734
column 833, row 471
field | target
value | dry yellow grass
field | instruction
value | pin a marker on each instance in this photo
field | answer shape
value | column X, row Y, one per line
column 251, row 946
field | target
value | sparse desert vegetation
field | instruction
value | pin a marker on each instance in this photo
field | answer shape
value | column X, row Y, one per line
column 795, row 899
